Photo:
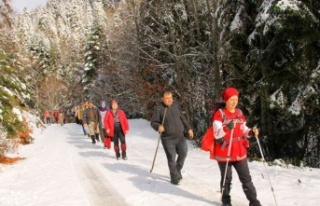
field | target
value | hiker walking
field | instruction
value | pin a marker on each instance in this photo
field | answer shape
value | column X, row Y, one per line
column 90, row 121
column 172, row 133
column 230, row 136
column 55, row 116
column 47, row 117
column 102, row 110
column 116, row 126
column 61, row 117
column 80, row 116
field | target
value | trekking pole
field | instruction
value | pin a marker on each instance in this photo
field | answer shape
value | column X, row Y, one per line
column 155, row 154
column 227, row 163
column 264, row 161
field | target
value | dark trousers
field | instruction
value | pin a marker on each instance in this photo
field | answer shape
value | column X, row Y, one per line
column 48, row 121
column 83, row 129
column 172, row 148
column 118, row 135
column 242, row 169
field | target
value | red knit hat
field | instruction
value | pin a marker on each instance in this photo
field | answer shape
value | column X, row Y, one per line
column 229, row 92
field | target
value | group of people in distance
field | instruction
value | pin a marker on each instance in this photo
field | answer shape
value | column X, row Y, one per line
column 229, row 129
column 57, row 117
column 107, row 124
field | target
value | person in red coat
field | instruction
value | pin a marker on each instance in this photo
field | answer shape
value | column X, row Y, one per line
column 47, row 117
column 116, row 126
column 229, row 122
column 55, row 116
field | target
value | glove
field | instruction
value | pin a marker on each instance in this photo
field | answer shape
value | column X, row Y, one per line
column 230, row 125
column 219, row 141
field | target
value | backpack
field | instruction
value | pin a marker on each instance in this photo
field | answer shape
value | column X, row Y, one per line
column 207, row 142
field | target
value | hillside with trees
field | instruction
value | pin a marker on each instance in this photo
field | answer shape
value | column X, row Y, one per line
column 59, row 55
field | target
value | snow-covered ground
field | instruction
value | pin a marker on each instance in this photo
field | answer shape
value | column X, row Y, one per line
column 63, row 168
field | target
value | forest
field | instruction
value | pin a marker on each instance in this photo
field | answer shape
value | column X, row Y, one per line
column 66, row 52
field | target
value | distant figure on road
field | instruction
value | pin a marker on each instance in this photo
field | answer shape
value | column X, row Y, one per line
column 56, row 116
column 47, row 117
column 102, row 111
column 61, row 117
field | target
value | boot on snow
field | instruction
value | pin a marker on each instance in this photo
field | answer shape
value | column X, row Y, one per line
column 255, row 203
column 116, row 149
column 123, row 151
column 175, row 181
column 97, row 137
column 93, row 139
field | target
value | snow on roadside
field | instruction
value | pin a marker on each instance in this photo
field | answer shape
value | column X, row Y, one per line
column 49, row 174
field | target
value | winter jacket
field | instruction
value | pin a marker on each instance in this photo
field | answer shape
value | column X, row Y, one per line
column 55, row 114
column 175, row 123
column 79, row 113
column 109, row 122
column 90, row 115
column 240, row 134
column 47, row 114
column 101, row 115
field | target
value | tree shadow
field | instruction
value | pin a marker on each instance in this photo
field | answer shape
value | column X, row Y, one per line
column 155, row 183
column 139, row 176
column 96, row 154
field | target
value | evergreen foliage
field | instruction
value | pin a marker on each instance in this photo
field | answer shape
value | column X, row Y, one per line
column 131, row 50
column 13, row 90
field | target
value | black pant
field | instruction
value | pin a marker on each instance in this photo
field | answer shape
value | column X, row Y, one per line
column 245, row 178
column 118, row 135
column 172, row 147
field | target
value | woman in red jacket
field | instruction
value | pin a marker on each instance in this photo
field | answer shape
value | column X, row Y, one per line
column 116, row 126
column 229, row 122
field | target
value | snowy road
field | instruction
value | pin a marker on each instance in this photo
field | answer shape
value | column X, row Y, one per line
column 55, row 174
column 63, row 168
column 96, row 187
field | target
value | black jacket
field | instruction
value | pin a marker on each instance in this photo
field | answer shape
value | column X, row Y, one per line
column 175, row 123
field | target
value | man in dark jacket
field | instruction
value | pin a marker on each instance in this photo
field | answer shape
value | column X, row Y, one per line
column 172, row 133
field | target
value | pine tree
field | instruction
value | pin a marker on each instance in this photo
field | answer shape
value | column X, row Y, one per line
column 92, row 53
column 275, row 60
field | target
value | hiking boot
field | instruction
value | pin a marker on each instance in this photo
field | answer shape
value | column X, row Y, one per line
column 174, row 181
column 255, row 203
column 125, row 158
column 93, row 139
column 117, row 155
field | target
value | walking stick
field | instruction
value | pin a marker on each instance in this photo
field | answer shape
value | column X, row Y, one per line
column 155, row 154
column 264, row 161
column 227, row 163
